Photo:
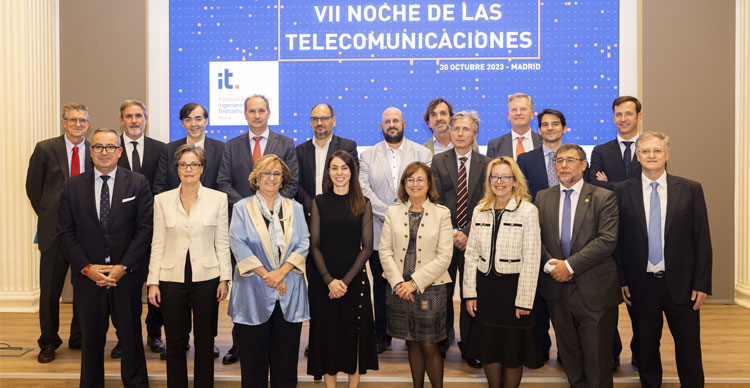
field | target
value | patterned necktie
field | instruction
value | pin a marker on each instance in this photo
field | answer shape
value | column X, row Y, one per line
column 104, row 214
column 519, row 146
column 565, row 226
column 551, row 176
column 75, row 163
column 256, row 149
column 462, row 194
column 654, row 227
column 627, row 157
column 136, row 157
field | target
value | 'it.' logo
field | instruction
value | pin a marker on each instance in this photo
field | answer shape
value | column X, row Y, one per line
column 224, row 80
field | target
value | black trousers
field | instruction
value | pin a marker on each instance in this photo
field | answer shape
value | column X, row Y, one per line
column 95, row 306
column 541, row 311
column 379, row 285
column 464, row 319
column 53, row 267
column 177, row 299
column 684, row 324
column 274, row 343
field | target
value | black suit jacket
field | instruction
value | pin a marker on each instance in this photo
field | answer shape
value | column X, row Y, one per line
column 503, row 145
column 128, row 235
column 237, row 164
column 592, row 245
column 48, row 171
column 166, row 174
column 149, row 158
column 534, row 168
column 306, row 158
column 687, row 241
column 607, row 158
column 445, row 175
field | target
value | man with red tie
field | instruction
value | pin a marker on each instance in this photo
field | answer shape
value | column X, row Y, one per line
column 52, row 163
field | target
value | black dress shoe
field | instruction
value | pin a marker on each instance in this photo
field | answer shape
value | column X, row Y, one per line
column 381, row 345
column 307, row 351
column 46, row 355
column 116, row 351
column 473, row 363
column 216, row 351
column 74, row 345
column 155, row 344
column 232, row 356
column 559, row 359
column 317, row 379
column 545, row 356
column 163, row 355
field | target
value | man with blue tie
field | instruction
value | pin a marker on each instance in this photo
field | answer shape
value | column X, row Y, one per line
column 579, row 277
column 664, row 259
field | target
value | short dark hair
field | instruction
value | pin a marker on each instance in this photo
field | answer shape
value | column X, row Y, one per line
column 189, row 107
column 432, row 193
column 571, row 146
column 623, row 99
column 432, row 105
column 554, row 112
column 185, row 148
column 330, row 108
column 107, row 130
column 268, row 107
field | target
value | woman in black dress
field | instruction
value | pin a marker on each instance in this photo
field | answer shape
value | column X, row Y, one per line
column 342, row 335
column 501, row 270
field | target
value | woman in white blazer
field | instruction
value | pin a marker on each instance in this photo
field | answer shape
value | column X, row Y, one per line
column 500, row 275
column 416, row 247
column 190, row 266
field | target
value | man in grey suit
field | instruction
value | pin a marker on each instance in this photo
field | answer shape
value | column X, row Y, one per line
column 459, row 178
column 579, row 278
column 380, row 169
column 520, row 139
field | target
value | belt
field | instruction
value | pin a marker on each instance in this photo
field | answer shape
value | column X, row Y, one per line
column 657, row 275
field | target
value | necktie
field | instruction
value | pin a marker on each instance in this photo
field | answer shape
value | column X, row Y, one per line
column 256, row 149
column 519, row 147
column 136, row 159
column 551, row 176
column 104, row 202
column 627, row 157
column 75, row 163
column 654, row 227
column 462, row 193
column 565, row 226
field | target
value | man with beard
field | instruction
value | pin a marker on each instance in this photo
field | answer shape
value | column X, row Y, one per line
column 380, row 171
column 437, row 117
column 520, row 138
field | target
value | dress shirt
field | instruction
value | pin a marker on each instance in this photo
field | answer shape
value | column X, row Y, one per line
column 81, row 153
column 395, row 159
column 632, row 146
column 98, row 181
column 467, row 164
column 320, row 164
column 129, row 148
column 438, row 148
column 573, row 205
column 662, row 191
column 546, row 152
column 528, row 144
column 263, row 141
column 202, row 143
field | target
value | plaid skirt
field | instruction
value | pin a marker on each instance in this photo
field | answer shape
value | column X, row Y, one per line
column 422, row 320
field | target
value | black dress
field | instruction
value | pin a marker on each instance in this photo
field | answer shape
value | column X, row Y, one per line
column 342, row 334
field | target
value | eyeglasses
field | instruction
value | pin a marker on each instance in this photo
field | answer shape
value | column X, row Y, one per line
column 501, row 178
column 322, row 119
column 74, row 121
column 566, row 160
column 393, row 121
column 98, row 148
column 418, row 180
column 189, row 166
column 656, row 151
column 269, row 174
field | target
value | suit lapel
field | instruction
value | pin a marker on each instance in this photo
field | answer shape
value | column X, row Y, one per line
column 506, row 145
column 475, row 172
column 451, row 165
column 122, row 180
column 636, row 195
column 584, row 199
column 674, row 191
column 260, row 227
column 209, row 148
column 61, row 152
column 288, row 211
column 88, row 163
column 615, row 154
column 310, row 161
column 151, row 157
column 89, row 196
column 541, row 164
column 124, row 161
column 553, row 213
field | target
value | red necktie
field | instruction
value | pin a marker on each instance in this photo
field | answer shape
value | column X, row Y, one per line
column 256, row 150
column 75, row 163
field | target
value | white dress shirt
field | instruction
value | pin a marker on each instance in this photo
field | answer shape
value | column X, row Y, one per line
column 466, row 164
column 573, row 205
column 263, row 141
column 438, row 148
column 320, row 164
column 632, row 146
column 661, row 190
column 528, row 144
column 129, row 148
column 81, row 153
column 98, row 182
column 202, row 143
column 394, row 157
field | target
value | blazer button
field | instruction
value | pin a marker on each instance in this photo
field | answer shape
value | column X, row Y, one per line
column 406, row 236
column 361, row 294
column 363, row 282
column 419, row 261
column 403, row 248
column 405, row 224
column 419, row 250
column 364, row 270
column 360, row 306
column 419, row 236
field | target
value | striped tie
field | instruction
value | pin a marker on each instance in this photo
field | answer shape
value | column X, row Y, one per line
column 462, row 191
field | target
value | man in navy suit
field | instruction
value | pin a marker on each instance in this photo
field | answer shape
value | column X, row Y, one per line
column 538, row 166
column 520, row 139
column 105, row 223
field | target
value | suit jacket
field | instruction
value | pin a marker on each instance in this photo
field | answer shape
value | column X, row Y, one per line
column 252, row 302
column 150, row 156
column 237, row 164
column 377, row 183
column 434, row 245
column 166, row 174
column 687, row 248
column 306, row 158
column 503, row 145
column 534, row 168
column 431, row 146
column 607, row 158
column 48, row 171
column 591, row 245
column 204, row 233
column 445, row 175
column 82, row 238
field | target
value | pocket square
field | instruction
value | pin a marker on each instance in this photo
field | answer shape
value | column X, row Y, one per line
column 128, row 199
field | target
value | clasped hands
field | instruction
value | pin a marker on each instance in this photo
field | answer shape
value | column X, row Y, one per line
column 105, row 275
column 405, row 291
column 560, row 273
column 275, row 279
column 336, row 289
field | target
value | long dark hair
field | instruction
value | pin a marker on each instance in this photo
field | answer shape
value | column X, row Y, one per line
column 356, row 199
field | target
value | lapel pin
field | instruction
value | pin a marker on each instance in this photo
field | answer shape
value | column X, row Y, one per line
column 586, row 200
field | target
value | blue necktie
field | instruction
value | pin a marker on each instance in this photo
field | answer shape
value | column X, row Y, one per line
column 551, row 176
column 627, row 157
column 565, row 226
column 654, row 227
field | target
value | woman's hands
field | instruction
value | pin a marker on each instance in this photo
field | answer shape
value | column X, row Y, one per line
column 221, row 291
column 405, row 291
column 154, row 295
column 336, row 289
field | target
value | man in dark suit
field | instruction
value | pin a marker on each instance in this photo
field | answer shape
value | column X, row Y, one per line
column 664, row 260
column 142, row 155
column 538, row 166
column 194, row 118
column 459, row 175
column 105, row 225
column 52, row 163
column 579, row 276
column 520, row 139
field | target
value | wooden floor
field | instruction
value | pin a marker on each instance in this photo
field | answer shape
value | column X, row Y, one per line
column 725, row 338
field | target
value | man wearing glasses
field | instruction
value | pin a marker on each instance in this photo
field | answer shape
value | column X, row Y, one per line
column 579, row 279
column 380, row 171
column 52, row 163
column 105, row 225
column 520, row 139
